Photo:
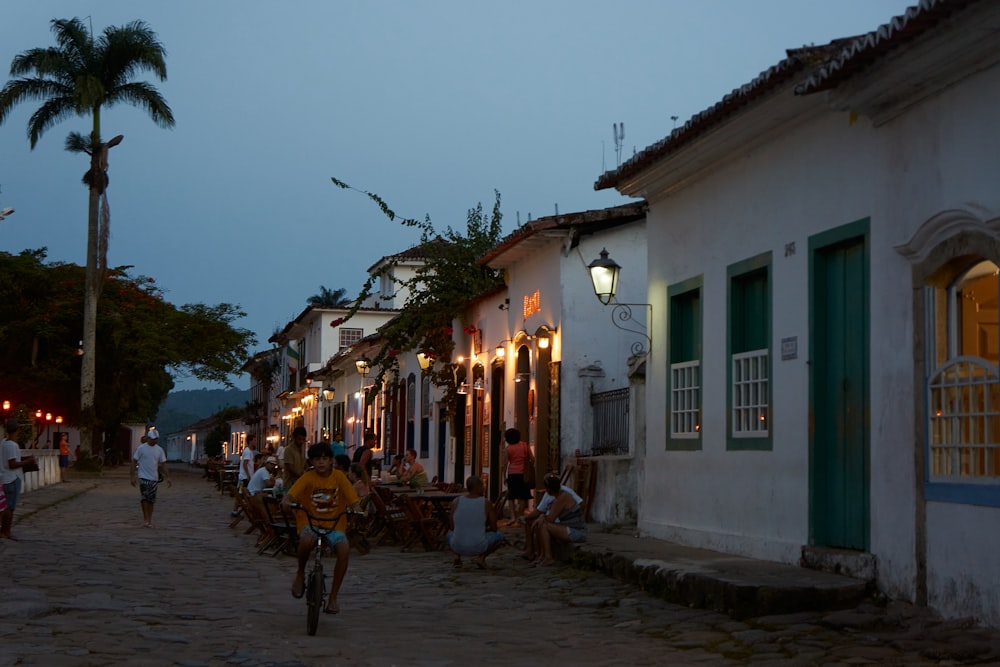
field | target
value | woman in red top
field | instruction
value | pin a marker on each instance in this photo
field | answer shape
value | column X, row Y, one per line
column 517, row 457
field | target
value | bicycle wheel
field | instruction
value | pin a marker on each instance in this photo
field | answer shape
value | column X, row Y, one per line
column 314, row 598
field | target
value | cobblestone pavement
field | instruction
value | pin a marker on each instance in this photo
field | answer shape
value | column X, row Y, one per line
column 88, row 585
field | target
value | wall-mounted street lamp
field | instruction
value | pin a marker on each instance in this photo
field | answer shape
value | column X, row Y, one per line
column 363, row 366
column 328, row 394
column 604, row 273
column 425, row 360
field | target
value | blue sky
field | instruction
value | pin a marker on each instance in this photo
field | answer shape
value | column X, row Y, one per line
column 432, row 104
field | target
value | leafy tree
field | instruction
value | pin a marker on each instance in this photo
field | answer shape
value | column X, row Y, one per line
column 80, row 76
column 439, row 291
column 328, row 298
column 142, row 338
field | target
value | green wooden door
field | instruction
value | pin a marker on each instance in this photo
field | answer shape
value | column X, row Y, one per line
column 839, row 465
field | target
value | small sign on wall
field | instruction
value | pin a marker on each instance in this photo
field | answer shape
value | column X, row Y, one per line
column 789, row 348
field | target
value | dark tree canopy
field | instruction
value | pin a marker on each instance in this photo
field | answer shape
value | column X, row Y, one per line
column 141, row 339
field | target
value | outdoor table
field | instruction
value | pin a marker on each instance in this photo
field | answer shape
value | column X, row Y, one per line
column 439, row 503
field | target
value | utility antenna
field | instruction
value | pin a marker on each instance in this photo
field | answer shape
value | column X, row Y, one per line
column 618, row 131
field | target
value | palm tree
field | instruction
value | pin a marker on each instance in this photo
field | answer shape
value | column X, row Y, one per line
column 79, row 76
column 328, row 298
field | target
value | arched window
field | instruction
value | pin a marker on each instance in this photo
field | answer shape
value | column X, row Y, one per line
column 963, row 388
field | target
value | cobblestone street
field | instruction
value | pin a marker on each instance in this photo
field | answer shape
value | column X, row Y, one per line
column 88, row 585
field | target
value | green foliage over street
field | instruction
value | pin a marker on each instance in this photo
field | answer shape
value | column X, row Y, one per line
column 141, row 338
column 439, row 293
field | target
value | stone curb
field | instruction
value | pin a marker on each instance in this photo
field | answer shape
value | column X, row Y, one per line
column 740, row 587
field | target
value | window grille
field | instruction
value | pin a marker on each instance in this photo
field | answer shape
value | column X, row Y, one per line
column 610, row 410
column 685, row 399
column 349, row 336
column 750, row 394
column 964, row 422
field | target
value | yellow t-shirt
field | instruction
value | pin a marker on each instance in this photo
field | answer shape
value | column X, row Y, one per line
column 324, row 497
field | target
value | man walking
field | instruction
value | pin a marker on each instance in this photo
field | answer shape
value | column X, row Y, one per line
column 148, row 463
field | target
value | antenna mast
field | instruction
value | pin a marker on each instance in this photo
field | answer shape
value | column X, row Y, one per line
column 618, row 132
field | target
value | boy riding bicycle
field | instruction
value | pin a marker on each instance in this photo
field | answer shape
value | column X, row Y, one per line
column 322, row 492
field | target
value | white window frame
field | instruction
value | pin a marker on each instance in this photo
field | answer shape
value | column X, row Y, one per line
column 751, row 394
column 685, row 399
column 350, row 336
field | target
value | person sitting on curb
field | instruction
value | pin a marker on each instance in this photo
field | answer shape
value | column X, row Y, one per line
column 473, row 523
column 532, row 524
column 563, row 522
column 322, row 492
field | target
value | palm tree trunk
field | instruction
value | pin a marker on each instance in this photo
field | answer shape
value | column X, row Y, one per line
column 88, row 369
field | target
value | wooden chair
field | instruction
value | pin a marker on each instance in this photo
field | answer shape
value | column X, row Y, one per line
column 567, row 475
column 358, row 527
column 283, row 526
column 425, row 527
column 395, row 524
column 253, row 510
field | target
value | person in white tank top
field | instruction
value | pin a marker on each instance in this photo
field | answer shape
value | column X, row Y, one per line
column 473, row 525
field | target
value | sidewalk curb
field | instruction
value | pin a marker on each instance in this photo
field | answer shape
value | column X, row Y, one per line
column 740, row 587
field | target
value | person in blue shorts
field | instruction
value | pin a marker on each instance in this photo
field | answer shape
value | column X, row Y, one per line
column 326, row 494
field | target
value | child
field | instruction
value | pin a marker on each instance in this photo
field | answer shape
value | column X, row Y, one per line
column 325, row 493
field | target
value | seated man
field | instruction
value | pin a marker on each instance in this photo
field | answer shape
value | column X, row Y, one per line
column 414, row 475
column 471, row 515
column 531, row 522
column 263, row 478
column 323, row 492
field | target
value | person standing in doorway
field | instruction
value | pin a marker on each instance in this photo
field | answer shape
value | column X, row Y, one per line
column 149, row 465
column 10, row 462
column 516, row 457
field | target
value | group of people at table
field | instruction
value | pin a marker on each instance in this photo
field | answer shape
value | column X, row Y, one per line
column 328, row 485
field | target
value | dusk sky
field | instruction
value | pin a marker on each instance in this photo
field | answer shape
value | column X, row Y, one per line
column 432, row 104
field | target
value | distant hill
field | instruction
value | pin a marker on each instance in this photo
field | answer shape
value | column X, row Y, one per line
column 183, row 408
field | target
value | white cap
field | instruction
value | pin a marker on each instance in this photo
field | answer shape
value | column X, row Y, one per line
column 153, row 434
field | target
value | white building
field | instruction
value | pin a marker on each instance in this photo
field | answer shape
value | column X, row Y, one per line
column 550, row 348
column 824, row 245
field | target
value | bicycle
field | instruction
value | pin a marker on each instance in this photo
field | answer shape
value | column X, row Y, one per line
column 315, row 580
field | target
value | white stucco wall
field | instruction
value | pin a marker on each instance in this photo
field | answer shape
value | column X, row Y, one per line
column 590, row 339
column 809, row 178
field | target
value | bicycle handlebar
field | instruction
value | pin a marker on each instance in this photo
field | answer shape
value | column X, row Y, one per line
column 334, row 520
